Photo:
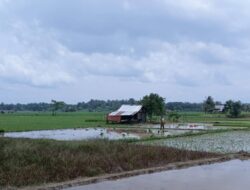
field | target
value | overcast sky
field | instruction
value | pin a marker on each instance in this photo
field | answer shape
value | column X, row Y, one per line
column 78, row 50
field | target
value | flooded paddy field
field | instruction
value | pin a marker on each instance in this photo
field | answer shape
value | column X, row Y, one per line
column 229, row 175
column 93, row 133
column 189, row 126
column 133, row 132
column 73, row 134
column 226, row 142
column 114, row 133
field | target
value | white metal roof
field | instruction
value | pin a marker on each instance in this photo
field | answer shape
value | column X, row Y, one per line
column 127, row 110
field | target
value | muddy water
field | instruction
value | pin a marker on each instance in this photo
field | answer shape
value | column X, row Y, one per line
column 188, row 126
column 72, row 134
column 231, row 175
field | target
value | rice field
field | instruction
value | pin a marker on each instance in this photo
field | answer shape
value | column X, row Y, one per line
column 216, row 119
column 30, row 121
column 226, row 142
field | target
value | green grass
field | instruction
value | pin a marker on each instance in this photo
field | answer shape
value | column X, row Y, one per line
column 29, row 162
column 25, row 121
column 216, row 119
column 41, row 121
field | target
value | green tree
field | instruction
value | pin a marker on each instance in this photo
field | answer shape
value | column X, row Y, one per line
column 209, row 105
column 56, row 105
column 154, row 105
column 174, row 116
column 235, row 109
column 228, row 106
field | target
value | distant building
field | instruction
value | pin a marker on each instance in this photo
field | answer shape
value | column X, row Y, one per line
column 128, row 114
column 219, row 108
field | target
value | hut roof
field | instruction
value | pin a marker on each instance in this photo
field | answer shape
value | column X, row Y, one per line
column 126, row 110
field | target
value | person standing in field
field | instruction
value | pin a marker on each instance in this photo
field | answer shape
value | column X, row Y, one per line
column 162, row 123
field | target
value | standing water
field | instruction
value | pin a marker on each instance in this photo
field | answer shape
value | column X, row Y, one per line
column 231, row 175
column 72, row 134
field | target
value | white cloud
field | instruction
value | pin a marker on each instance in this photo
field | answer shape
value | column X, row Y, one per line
column 233, row 15
column 187, row 44
column 191, row 6
column 40, row 59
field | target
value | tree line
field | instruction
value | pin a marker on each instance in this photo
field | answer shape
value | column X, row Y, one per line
column 230, row 108
column 95, row 106
column 91, row 106
column 207, row 106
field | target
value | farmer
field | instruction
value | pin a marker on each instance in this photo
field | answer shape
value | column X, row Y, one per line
column 162, row 123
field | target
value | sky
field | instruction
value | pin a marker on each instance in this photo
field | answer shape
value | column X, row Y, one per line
column 184, row 50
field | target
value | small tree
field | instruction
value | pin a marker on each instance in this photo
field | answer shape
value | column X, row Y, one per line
column 235, row 110
column 209, row 105
column 154, row 105
column 56, row 105
column 228, row 106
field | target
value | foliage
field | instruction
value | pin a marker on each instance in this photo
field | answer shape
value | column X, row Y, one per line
column 90, row 106
column 94, row 106
column 235, row 109
column 174, row 116
column 154, row 105
column 102, row 106
column 228, row 106
column 246, row 107
column 184, row 106
column 209, row 105
column 56, row 105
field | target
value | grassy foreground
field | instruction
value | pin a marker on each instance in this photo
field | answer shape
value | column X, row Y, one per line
column 28, row 162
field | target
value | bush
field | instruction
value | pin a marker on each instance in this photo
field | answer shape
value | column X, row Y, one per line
column 174, row 116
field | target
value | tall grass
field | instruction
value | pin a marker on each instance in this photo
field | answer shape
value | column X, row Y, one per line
column 28, row 162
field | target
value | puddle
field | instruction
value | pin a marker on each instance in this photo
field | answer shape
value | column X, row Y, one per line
column 178, row 129
column 73, row 134
column 168, row 132
column 188, row 126
column 149, row 132
column 229, row 175
column 227, row 142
